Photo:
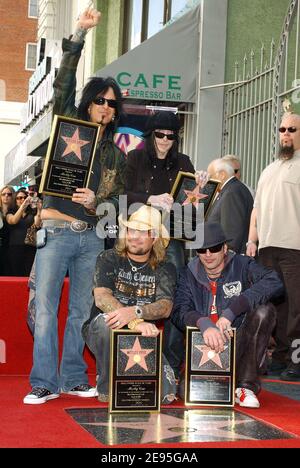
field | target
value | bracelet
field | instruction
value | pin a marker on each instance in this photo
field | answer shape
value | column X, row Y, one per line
column 133, row 323
column 250, row 242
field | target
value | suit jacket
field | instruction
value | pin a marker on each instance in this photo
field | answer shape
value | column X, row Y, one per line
column 232, row 209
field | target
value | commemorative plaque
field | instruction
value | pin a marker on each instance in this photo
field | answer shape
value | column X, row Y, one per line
column 70, row 155
column 209, row 376
column 135, row 372
column 191, row 205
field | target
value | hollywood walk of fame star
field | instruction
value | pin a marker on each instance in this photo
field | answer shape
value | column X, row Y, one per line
column 194, row 427
column 74, row 144
column 193, row 196
column 136, row 355
column 209, row 354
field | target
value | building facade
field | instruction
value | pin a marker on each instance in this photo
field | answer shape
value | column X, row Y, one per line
column 195, row 56
column 17, row 61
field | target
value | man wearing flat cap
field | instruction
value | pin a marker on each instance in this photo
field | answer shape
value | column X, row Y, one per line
column 220, row 290
column 133, row 288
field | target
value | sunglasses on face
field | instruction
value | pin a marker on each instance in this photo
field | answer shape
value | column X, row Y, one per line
column 214, row 249
column 6, row 194
column 289, row 129
column 161, row 135
column 21, row 198
column 100, row 101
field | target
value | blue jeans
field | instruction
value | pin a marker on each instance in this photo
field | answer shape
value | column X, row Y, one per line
column 173, row 342
column 97, row 337
column 77, row 253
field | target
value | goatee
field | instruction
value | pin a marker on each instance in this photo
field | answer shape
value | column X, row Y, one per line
column 286, row 152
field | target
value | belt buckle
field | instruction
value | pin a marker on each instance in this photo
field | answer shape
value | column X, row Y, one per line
column 78, row 226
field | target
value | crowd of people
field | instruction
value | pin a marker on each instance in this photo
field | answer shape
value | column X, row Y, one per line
column 20, row 218
column 145, row 277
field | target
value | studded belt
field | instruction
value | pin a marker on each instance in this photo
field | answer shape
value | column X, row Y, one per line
column 75, row 226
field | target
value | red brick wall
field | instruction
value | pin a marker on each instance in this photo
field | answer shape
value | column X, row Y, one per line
column 16, row 29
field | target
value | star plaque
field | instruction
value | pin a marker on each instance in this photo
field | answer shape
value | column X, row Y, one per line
column 210, row 376
column 70, row 156
column 191, row 205
column 135, row 372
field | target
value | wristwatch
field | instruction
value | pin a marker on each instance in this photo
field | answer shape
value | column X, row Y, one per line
column 250, row 242
column 138, row 312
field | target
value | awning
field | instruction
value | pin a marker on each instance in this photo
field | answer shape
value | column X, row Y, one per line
column 163, row 68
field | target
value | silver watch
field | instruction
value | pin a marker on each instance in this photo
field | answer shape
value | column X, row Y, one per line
column 138, row 312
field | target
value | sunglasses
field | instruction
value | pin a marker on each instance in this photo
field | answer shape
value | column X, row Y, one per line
column 100, row 101
column 6, row 194
column 21, row 198
column 236, row 171
column 289, row 129
column 214, row 249
column 161, row 135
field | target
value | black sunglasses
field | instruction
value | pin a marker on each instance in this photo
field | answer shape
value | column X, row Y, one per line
column 213, row 249
column 236, row 171
column 100, row 101
column 289, row 129
column 161, row 135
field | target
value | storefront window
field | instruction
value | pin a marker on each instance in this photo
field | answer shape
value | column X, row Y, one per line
column 136, row 9
column 155, row 17
column 177, row 6
column 147, row 17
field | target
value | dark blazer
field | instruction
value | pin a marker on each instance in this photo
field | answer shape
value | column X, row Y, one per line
column 140, row 173
column 232, row 209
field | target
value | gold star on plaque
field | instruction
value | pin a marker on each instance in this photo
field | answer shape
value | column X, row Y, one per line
column 193, row 196
column 136, row 355
column 74, row 144
column 209, row 354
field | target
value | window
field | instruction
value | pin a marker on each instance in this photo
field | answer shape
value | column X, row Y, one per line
column 177, row 6
column 33, row 8
column 31, row 51
column 144, row 18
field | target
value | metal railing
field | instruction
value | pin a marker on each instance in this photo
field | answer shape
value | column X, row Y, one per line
column 253, row 107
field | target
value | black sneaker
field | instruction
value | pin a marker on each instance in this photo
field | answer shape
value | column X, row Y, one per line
column 84, row 391
column 39, row 395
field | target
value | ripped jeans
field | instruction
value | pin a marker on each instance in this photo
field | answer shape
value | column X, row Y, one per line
column 97, row 336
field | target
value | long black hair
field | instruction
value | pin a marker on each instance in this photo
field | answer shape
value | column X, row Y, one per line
column 171, row 159
column 98, row 86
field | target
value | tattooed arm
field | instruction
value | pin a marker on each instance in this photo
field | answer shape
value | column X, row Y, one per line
column 105, row 300
column 157, row 310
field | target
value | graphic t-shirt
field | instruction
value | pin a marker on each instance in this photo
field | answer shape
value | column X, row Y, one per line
column 133, row 283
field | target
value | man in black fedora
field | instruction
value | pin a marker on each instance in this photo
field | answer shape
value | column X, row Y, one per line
column 220, row 290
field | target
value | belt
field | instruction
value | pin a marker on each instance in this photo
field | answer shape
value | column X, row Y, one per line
column 75, row 226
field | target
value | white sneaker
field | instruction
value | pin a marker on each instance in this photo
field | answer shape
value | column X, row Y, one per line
column 246, row 398
column 83, row 391
column 39, row 395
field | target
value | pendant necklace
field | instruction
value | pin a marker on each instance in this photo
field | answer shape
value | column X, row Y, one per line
column 134, row 268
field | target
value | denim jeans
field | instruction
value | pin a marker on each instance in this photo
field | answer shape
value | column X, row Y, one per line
column 97, row 337
column 77, row 253
column 173, row 341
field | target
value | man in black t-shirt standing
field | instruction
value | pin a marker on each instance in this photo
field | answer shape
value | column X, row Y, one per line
column 133, row 287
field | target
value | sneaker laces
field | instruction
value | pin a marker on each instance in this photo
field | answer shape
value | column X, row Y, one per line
column 38, row 391
column 245, row 392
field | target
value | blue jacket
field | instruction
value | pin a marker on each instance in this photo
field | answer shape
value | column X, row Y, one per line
column 242, row 287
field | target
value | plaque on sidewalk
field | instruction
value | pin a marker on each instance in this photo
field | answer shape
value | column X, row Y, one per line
column 191, row 205
column 70, row 155
column 209, row 376
column 135, row 372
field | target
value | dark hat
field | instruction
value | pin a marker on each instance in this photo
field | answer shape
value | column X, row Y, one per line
column 162, row 120
column 213, row 235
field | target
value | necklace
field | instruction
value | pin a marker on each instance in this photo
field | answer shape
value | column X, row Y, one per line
column 134, row 268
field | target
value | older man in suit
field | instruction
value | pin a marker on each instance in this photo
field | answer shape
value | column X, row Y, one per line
column 233, row 206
